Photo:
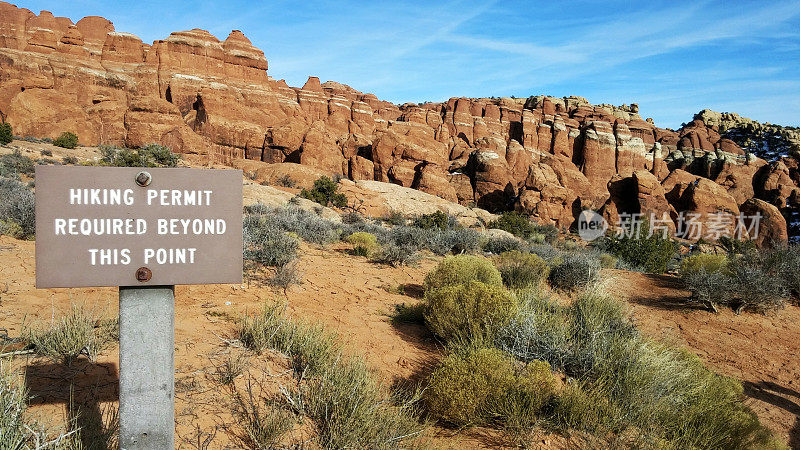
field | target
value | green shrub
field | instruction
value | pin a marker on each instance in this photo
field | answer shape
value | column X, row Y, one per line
column 69, row 160
column 436, row 219
column 405, row 313
column 608, row 261
column 521, row 270
column 576, row 270
column 472, row 311
column 14, row 164
column 17, row 210
column 707, row 262
column 151, row 155
column 650, row 254
column 309, row 226
column 6, row 133
column 364, row 244
column 325, row 193
column 515, row 223
column 626, row 380
column 66, row 139
column 461, row 269
column 485, row 386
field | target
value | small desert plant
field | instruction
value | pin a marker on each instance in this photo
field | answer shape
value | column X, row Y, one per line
column 395, row 218
column 309, row 226
column 310, row 347
column 707, row 262
column 750, row 281
column 69, row 160
column 263, row 423
column 340, row 394
column 649, row 253
column 436, row 219
column 286, row 275
column 264, row 244
column 515, row 223
column 628, row 380
column 17, row 210
column 608, row 261
column 150, row 155
column 502, row 244
column 485, row 386
column 325, row 193
column 521, row 270
column 14, row 164
column 576, row 270
column 66, row 139
column 461, row 269
column 364, row 244
column 405, row 313
column 397, row 255
column 230, row 369
column 68, row 337
column 470, row 311
column 46, row 152
column 6, row 133
column 286, row 181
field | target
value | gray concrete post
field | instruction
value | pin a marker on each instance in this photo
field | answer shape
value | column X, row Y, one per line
column 146, row 368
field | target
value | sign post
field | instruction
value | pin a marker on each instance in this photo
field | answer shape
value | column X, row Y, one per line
column 144, row 230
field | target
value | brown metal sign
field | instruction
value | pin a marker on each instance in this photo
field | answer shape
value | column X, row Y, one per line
column 125, row 226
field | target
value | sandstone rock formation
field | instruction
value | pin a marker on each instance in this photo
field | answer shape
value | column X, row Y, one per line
column 544, row 156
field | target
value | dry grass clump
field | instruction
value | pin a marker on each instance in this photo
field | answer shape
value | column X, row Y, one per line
column 339, row 393
column 69, row 336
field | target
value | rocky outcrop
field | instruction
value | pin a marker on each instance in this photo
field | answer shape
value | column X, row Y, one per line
column 544, row 156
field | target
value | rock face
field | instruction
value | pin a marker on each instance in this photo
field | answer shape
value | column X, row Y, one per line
column 544, row 156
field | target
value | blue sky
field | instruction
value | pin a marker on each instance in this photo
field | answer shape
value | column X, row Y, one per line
column 673, row 58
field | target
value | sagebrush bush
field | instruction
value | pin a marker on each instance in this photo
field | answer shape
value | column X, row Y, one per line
column 364, row 244
column 325, row 192
column 397, row 255
column 576, row 270
column 6, row 133
column 515, row 223
column 14, row 164
column 502, row 244
column 472, row 311
column 309, row 226
column 461, row 269
column 485, row 386
column 785, row 263
column 707, row 262
column 17, row 209
column 66, row 139
column 521, row 270
column 265, row 243
column 649, row 253
column 752, row 281
column 286, row 275
column 150, row 155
